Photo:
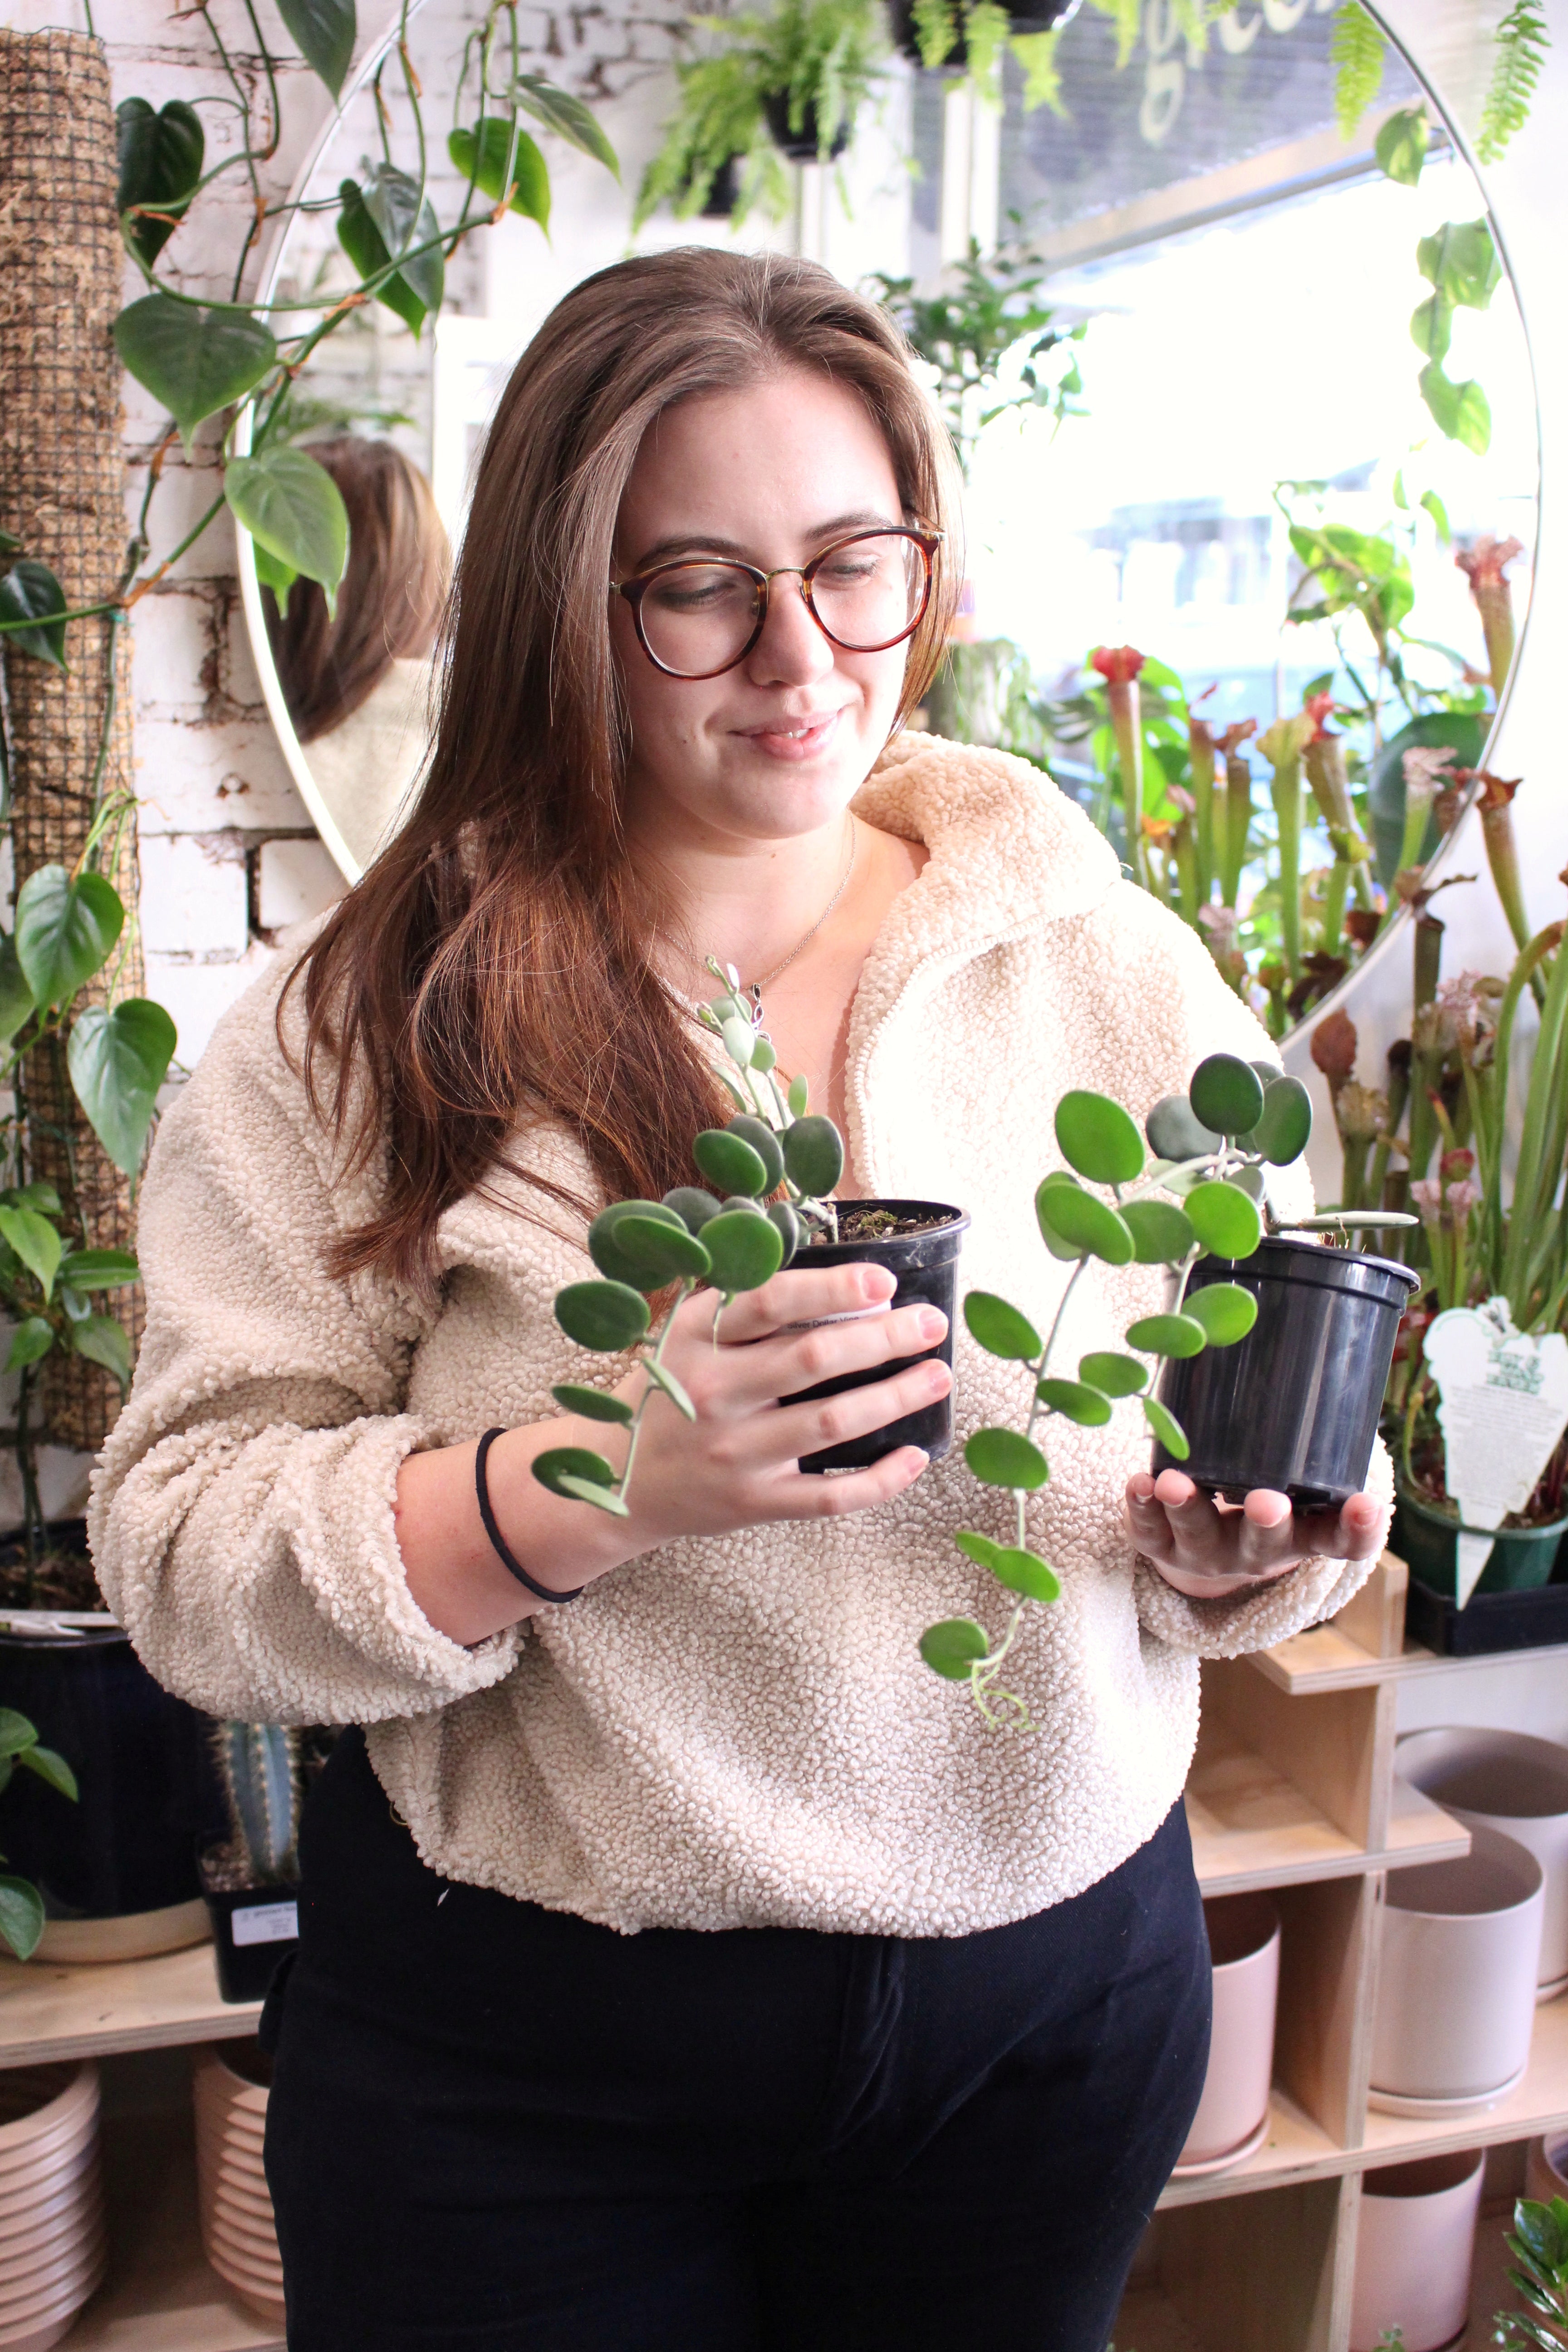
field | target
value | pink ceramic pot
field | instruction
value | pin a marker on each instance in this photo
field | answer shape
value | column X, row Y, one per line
column 1414, row 2252
column 1244, row 1942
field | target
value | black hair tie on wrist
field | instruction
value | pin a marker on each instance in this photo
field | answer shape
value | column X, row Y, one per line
column 499, row 1542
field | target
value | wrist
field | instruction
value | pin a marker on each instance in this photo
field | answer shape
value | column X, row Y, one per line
column 562, row 1544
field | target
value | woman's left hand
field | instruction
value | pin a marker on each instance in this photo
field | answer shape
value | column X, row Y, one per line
column 1211, row 1550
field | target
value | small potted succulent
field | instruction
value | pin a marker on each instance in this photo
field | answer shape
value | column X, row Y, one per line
column 251, row 1881
column 1270, row 1357
column 772, row 1168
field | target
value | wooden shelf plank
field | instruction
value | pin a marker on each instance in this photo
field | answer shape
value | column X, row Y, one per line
column 1251, row 1827
column 1296, row 2149
column 1149, row 2322
column 160, row 2294
column 50, row 2010
column 1325, row 1659
column 1539, row 2105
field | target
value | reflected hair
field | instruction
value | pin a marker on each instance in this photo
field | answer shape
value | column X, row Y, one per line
column 491, row 970
column 390, row 602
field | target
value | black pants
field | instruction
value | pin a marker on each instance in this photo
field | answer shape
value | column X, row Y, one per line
column 497, row 2127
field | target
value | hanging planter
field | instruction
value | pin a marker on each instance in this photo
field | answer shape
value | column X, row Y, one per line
column 802, row 145
column 1029, row 17
column 1518, row 1786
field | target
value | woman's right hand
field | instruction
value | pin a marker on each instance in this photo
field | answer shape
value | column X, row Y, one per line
column 736, row 1465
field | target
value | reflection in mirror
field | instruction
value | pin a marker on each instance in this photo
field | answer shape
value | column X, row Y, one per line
column 1272, row 417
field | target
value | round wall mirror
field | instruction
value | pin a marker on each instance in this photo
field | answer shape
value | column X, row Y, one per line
column 1244, row 502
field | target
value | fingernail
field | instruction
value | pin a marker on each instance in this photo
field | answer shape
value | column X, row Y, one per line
column 932, row 1323
column 938, row 1378
column 877, row 1281
column 1144, row 1486
column 918, row 1459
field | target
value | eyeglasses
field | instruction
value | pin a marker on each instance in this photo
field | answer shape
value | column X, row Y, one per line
column 865, row 593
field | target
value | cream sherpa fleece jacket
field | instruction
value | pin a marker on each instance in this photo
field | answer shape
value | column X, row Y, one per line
column 734, row 1731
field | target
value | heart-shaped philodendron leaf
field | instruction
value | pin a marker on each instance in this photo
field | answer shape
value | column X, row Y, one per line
column 566, row 116
column 35, row 1242
column 480, row 155
column 324, row 30
column 383, row 219
column 999, row 1328
column 951, row 1648
column 1098, row 1138
column 118, row 1060
column 194, row 360
column 160, row 158
column 66, row 930
column 104, row 1341
column 291, row 505
column 32, row 597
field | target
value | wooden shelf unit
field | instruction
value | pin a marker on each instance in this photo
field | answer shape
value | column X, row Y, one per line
column 1292, row 1789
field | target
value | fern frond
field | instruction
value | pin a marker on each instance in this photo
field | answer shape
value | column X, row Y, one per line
column 1037, row 54
column 1128, row 16
column 1522, row 41
column 985, row 31
column 936, row 31
column 1355, row 53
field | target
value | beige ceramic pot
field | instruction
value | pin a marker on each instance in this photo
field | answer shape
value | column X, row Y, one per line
column 238, row 2236
column 1233, row 2114
column 1414, row 2252
column 1457, row 1981
column 1509, row 1781
column 52, row 2244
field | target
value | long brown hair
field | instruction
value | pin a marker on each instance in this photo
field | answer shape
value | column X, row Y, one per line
column 492, row 967
column 389, row 604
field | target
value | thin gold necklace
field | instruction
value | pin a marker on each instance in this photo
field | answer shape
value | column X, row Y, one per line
column 767, row 979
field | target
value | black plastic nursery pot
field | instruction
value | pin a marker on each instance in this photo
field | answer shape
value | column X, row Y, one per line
column 1294, row 1406
column 254, row 1929
column 1027, row 16
column 802, row 146
column 126, row 1848
column 925, row 1266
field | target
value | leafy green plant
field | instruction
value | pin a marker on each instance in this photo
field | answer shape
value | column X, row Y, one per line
column 645, row 1248
column 1189, row 1184
column 259, row 1767
column 21, row 1905
column 1522, row 41
column 1539, row 2245
column 817, row 62
column 989, row 316
column 1356, row 50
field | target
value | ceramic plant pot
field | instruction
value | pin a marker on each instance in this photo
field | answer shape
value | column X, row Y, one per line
column 52, row 2241
column 1295, row 1404
column 1414, row 2253
column 1508, row 1782
column 117, row 1869
column 1025, row 16
column 1456, row 1992
column 230, row 2087
column 1425, row 1538
column 925, row 1266
column 1233, row 2113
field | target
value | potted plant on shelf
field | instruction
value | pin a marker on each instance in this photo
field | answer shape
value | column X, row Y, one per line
column 774, row 1146
column 790, row 82
column 22, row 1911
column 1257, row 1316
column 251, row 1879
column 1538, row 2245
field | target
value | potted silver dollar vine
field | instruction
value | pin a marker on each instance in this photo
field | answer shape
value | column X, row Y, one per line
column 1270, row 1357
column 772, row 1169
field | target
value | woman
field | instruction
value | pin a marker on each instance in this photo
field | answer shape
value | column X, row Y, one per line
column 681, row 1963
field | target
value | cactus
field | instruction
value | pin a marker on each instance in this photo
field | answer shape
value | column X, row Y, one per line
column 258, row 1764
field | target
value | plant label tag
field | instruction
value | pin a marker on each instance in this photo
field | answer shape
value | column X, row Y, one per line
column 266, row 1923
column 1504, row 1406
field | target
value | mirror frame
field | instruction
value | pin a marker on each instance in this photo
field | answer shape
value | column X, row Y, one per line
column 1393, row 937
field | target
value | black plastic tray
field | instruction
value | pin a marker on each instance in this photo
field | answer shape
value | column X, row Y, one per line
column 1493, row 1621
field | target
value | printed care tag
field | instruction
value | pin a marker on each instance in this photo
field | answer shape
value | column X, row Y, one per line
column 1504, row 1406
column 266, row 1923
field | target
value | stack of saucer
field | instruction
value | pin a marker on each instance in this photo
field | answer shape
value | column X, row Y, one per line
column 52, row 2245
column 237, row 2230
